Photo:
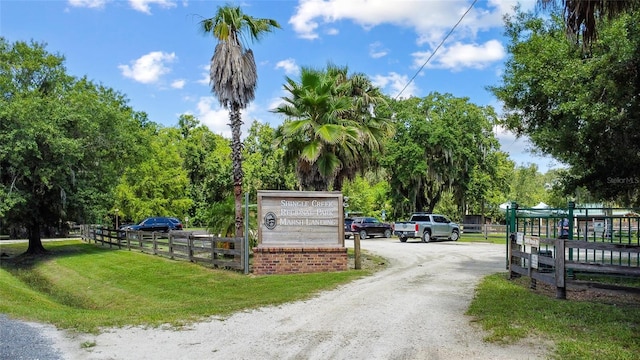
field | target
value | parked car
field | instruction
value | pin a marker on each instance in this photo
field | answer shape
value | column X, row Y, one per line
column 369, row 227
column 177, row 223
column 347, row 227
column 427, row 227
column 165, row 224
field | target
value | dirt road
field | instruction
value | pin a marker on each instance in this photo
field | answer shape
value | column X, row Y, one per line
column 412, row 310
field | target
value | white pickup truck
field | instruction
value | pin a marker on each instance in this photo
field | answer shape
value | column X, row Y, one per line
column 427, row 227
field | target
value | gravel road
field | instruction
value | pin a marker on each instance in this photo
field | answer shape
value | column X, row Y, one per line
column 414, row 309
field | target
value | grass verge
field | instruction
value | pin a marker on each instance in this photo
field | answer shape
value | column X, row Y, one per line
column 601, row 326
column 478, row 237
column 84, row 287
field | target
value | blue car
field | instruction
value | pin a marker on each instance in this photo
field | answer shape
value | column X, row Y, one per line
column 164, row 224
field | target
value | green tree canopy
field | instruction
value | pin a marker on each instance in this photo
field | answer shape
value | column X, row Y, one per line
column 369, row 195
column 263, row 162
column 158, row 184
column 527, row 186
column 582, row 16
column 581, row 108
column 63, row 141
column 441, row 144
column 207, row 159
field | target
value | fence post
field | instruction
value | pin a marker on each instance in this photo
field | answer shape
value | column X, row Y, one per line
column 155, row 243
column 214, row 256
column 561, row 289
column 170, row 246
column 245, row 244
column 190, row 246
column 571, row 206
column 511, row 227
column 242, row 256
column 101, row 236
column 356, row 251
column 534, row 283
column 509, row 249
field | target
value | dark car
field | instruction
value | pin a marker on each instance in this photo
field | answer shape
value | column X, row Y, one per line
column 347, row 227
column 370, row 227
column 164, row 224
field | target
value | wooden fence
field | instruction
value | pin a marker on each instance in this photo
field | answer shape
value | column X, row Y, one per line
column 550, row 260
column 483, row 228
column 201, row 248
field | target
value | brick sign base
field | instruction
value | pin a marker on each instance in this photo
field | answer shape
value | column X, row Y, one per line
column 268, row 260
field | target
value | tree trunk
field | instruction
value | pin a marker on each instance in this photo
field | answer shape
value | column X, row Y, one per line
column 35, row 242
column 236, row 158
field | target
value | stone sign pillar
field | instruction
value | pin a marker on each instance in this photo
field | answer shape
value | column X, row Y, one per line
column 299, row 232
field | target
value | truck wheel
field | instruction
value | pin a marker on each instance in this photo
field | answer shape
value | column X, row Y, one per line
column 363, row 234
column 426, row 236
column 403, row 239
column 455, row 235
column 387, row 233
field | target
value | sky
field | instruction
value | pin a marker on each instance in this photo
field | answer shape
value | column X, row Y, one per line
column 154, row 52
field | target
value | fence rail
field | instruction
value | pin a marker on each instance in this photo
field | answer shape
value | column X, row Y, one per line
column 549, row 260
column 214, row 251
column 484, row 228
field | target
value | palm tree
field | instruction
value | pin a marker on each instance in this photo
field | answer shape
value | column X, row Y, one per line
column 372, row 129
column 233, row 78
column 330, row 132
column 581, row 15
column 312, row 130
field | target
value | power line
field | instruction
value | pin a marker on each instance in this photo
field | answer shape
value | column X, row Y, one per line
column 436, row 49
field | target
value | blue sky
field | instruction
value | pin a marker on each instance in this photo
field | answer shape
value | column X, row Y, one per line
column 153, row 52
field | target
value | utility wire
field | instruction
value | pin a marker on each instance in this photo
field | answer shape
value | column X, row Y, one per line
column 436, row 50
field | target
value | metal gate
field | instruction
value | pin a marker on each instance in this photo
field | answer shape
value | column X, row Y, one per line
column 598, row 240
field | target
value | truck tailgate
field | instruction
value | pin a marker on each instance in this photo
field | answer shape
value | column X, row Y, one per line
column 404, row 227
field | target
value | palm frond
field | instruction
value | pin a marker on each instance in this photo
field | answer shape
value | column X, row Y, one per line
column 581, row 16
column 328, row 165
column 312, row 151
column 329, row 133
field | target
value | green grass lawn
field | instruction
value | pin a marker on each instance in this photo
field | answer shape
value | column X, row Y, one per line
column 598, row 327
column 84, row 287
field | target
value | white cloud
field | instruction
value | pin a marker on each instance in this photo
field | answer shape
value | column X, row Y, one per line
column 216, row 118
column 148, row 68
column 143, row 5
column 393, row 83
column 178, row 84
column 276, row 102
column 521, row 150
column 289, row 65
column 332, row 31
column 459, row 56
column 138, row 5
column 377, row 50
column 205, row 79
column 88, row 3
column 213, row 116
column 431, row 20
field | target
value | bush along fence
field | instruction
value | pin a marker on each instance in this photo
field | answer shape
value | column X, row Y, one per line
column 206, row 249
column 594, row 240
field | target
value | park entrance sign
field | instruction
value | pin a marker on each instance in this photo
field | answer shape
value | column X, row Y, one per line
column 300, row 231
column 294, row 218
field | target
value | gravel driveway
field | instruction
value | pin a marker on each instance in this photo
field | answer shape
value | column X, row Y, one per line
column 412, row 310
